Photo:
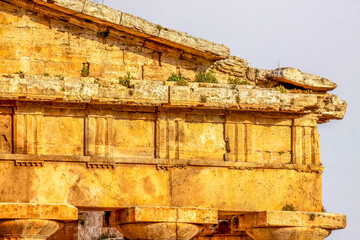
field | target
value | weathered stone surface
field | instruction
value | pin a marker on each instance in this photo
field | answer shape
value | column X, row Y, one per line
column 309, row 81
column 143, row 28
column 166, row 214
column 326, row 106
column 165, row 231
column 162, row 222
column 28, row 229
column 232, row 65
column 38, row 211
column 289, row 233
column 292, row 219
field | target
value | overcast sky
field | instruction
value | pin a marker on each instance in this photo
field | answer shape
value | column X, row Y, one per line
column 317, row 36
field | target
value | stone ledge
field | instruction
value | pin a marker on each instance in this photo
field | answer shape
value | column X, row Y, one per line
column 38, row 211
column 158, row 93
column 161, row 164
column 270, row 219
column 165, row 214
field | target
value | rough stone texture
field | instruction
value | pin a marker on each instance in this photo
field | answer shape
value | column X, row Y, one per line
column 309, row 81
column 28, row 229
column 71, row 133
column 163, row 223
column 38, row 211
column 289, row 233
column 156, row 93
column 137, row 26
column 91, row 226
column 26, row 221
column 294, row 219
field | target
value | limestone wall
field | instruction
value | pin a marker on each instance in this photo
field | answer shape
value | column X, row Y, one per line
column 89, row 155
column 38, row 44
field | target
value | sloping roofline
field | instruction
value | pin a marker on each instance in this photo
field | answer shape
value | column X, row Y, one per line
column 128, row 23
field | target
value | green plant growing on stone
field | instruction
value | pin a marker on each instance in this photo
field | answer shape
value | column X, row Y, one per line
column 308, row 91
column 203, row 98
column 237, row 81
column 60, row 77
column 237, row 99
column 159, row 27
column 46, row 74
column 85, row 71
column 103, row 34
column 180, row 80
column 125, row 80
column 323, row 209
column 312, row 216
column 281, row 153
column 20, row 73
column 281, row 88
column 63, row 89
column 288, row 207
column 207, row 77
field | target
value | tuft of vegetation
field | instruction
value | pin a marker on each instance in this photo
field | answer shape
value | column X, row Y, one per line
column 103, row 34
column 308, row 91
column 63, row 89
column 288, row 207
column 312, row 216
column 207, row 77
column 203, row 98
column 60, row 77
column 237, row 99
column 180, row 80
column 159, row 27
column 125, row 80
column 20, row 73
column 323, row 209
column 281, row 153
column 281, row 88
column 46, row 74
column 85, row 71
column 237, row 81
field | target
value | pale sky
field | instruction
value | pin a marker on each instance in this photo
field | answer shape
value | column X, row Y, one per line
column 317, row 36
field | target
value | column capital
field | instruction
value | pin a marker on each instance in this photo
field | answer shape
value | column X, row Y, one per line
column 26, row 221
column 162, row 222
column 290, row 225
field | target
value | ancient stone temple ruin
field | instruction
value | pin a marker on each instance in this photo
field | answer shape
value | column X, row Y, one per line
column 112, row 126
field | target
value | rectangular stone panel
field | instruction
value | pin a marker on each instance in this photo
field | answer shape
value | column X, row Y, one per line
column 75, row 184
column 63, row 135
column 203, row 141
column 134, row 137
column 28, row 133
column 245, row 190
column 5, row 132
column 99, row 135
column 271, row 143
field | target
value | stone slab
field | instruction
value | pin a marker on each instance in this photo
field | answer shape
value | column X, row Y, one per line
column 292, row 219
column 166, row 214
column 58, row 212
column 155, row 93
